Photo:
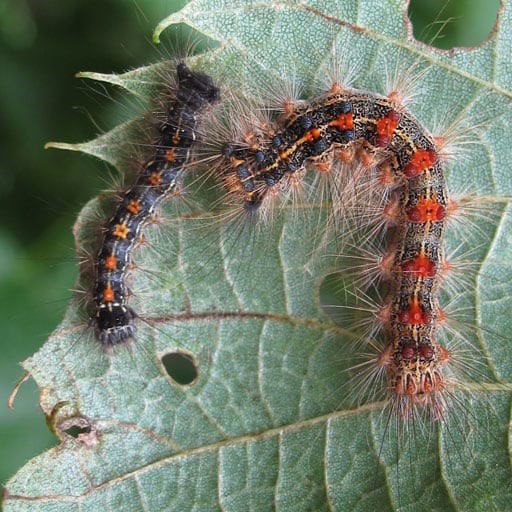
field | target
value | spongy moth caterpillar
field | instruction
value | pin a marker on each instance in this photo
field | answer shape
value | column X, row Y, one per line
column 379, row 142
column 113, row 318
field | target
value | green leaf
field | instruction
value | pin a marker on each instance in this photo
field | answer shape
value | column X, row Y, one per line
column 268, row 423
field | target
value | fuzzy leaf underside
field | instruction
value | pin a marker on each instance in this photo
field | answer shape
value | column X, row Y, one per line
column 268, row 423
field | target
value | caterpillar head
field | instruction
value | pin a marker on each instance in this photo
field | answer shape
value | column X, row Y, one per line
column 415, row 373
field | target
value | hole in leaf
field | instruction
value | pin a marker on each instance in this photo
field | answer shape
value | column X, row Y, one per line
column 78, row 428
column 446, row 24
column 75, row 431
column 181, row 367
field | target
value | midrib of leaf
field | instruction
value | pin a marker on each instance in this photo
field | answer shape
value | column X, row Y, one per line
column 270, row 433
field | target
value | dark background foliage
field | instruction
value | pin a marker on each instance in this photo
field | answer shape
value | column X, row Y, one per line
column 42, row 44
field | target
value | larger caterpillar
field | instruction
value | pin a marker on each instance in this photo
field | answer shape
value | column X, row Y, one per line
column 337, row 126
column 113, row 318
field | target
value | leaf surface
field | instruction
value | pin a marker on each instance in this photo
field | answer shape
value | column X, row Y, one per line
column 268, row 424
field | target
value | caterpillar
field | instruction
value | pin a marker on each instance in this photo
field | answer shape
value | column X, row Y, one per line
column 113, row 318
column 335, row 133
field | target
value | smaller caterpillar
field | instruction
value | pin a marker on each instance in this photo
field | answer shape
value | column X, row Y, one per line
column 113, row 318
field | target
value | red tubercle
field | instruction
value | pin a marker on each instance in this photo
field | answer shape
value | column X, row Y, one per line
column 155, row 178
column 408, row 352
column 420, row 266
column 421, row 159
column 170, row 154
column 414, row 314
column 426, row 352
column 344, row 121
column 427, row 209
column 386, row 127
column 134, row 206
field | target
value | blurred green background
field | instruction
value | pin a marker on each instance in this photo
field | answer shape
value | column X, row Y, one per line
column 42, row 44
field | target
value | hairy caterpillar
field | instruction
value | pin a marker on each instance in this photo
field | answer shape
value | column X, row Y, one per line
column 389, row 176
column 159, row 177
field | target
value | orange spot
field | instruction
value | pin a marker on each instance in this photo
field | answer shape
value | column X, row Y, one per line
column 111, row 262
column 441, row 315
column 427, row 210
column 134, row 206
column 108, row 293
column 421, row 159
column 236, row 162
column 420, row 266
column 344, row 121
column 121, row 231
column 155, row 178
column 170, row 155
column 414, row 315
column 386, row 127
column 312, row 134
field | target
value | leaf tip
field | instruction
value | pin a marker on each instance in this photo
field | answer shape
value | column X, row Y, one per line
column 62, row 145
column 84, row 74
column 172, row 19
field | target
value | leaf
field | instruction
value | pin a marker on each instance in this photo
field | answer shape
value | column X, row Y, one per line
column 267, row 425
